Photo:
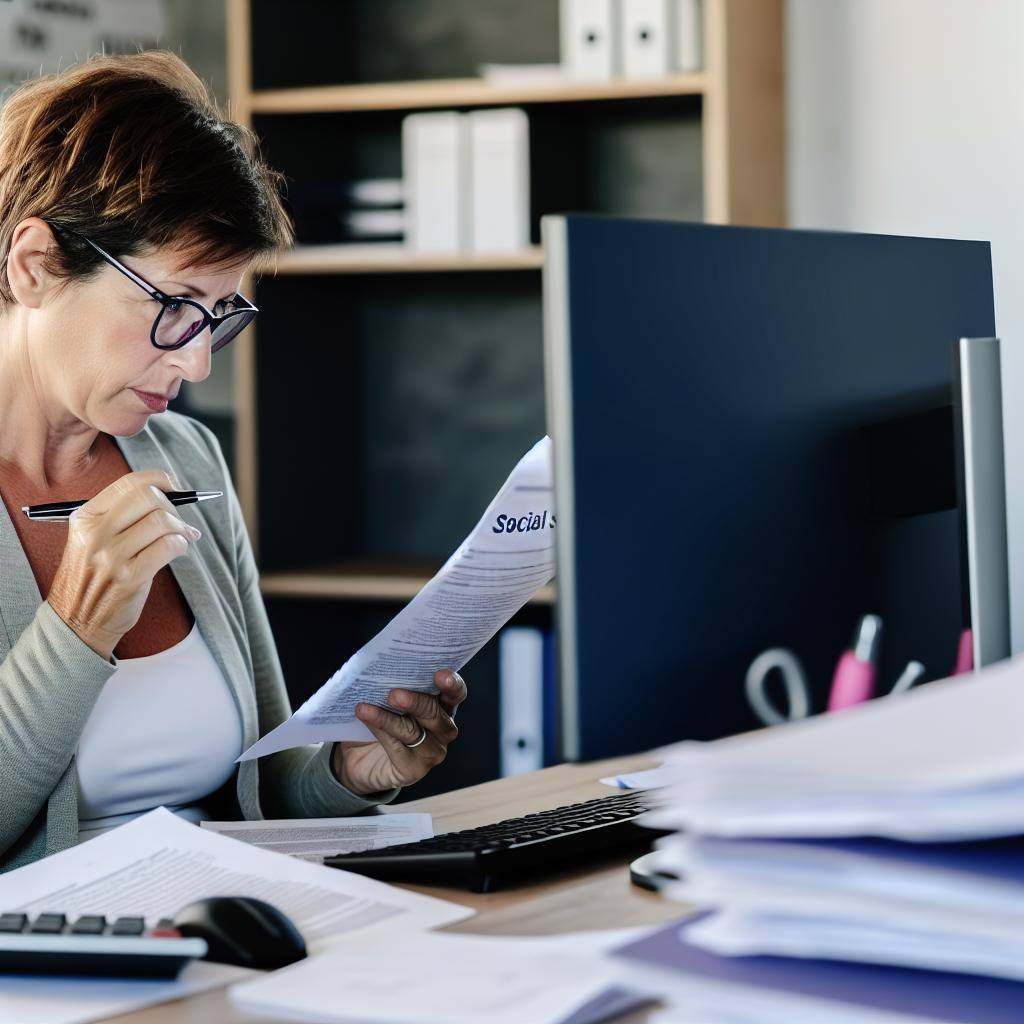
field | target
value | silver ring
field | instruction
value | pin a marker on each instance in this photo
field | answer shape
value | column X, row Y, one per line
column 418, row 742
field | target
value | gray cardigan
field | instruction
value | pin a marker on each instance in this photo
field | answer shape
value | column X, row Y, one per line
column 50, row 679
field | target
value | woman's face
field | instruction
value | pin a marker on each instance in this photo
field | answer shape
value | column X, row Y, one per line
column 90, row 343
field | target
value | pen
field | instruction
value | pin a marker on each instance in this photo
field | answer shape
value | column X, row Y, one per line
column 58, row 511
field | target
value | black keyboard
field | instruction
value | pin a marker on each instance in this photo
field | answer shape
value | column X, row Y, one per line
column 93, row 945
column 483, row 858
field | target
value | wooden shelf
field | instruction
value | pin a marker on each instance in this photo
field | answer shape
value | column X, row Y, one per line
column 465, row 92
column 397, row 259
column 362, row 581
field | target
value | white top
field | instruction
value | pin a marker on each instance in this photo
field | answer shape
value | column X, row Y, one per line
column 164, row 731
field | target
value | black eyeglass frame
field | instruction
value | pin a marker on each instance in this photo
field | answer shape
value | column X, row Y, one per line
column 211, row 320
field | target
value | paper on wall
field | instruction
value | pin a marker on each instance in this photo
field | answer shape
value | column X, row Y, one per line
column 506, row 559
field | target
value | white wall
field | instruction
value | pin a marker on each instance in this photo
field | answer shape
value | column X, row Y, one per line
column 907, row 117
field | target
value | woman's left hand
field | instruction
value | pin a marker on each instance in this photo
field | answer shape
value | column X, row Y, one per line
column 371, row 767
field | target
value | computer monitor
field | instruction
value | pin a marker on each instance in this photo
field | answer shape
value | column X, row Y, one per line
column 761, row 435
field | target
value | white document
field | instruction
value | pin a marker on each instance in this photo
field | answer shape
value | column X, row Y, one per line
column 821, row 936
column 435, row 168
column 158, row 863
column 315, row 838
column 506, row 559
column 589, row 40
column 645, row 28
column 30, row 999
column 447, row 979
column 499, row 146
column 521, row 701
column 652, row 778
column 943, row 761
column 522, row 75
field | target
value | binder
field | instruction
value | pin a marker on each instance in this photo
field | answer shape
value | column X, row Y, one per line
column 499, row 146
column 687, row 35
column 645, row 31
column 927, row 995
column 588, row 38
column 521, row 679
column 435, row 170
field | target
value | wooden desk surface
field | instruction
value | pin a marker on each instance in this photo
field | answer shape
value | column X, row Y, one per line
column 581, row 899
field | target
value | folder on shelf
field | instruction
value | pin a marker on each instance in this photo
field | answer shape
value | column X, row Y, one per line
column 645, row 31
column 499, row 147
column 521, row 658
column 435, row 170
column 687, row 35
column 589, row 38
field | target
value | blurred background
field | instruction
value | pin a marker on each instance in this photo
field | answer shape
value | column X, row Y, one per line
column 397, row 356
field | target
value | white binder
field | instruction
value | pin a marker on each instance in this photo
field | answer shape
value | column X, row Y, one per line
column 499, row 146
column 645, row 31
column 588, row 38
column 521, row 675
column 435, row 169
column 688, row 35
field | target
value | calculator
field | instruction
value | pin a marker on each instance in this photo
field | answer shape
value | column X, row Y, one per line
column 94, row 945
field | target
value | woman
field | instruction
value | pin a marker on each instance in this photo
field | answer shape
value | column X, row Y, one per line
column 129, row 211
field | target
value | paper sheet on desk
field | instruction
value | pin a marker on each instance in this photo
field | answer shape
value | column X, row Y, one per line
column 29, row 999
column 506, row 559
column 157, row 864
column 315, row 838
column 450, row 979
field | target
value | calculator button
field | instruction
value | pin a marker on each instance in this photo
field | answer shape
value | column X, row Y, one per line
column 48, row 924
column 89, row 924
column 128, row 926
column 12, row 922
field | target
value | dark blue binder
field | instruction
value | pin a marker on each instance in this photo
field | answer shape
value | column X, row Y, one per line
column 931, row 995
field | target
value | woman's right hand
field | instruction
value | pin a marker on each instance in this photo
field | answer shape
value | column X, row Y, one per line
column 117, row 542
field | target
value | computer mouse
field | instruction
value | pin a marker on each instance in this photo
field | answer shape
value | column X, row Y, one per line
column 243, row 931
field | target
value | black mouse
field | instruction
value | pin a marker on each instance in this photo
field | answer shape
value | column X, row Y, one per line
column 243, row 931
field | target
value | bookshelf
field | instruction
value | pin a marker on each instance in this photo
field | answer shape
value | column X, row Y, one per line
column 374, row 370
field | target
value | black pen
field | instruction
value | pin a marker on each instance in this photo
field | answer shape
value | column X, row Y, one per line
column 58, row 511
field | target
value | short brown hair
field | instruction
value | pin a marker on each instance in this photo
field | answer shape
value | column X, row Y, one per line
column 132, row 152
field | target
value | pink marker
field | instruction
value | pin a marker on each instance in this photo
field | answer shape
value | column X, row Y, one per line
column 965, row 653
column 854, row 681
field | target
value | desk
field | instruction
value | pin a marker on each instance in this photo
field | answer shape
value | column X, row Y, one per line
column 596, row 896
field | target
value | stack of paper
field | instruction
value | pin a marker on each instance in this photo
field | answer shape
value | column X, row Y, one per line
column 881, row 835
column 941, row 762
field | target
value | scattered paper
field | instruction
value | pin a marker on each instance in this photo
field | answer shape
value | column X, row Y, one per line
column 448, row 979
column 653, row 778
column 315, row 838
column 155, row 865
column 507, row 558
column 30, row 999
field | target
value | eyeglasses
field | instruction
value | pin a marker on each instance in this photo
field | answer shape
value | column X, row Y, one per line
column 181, row 319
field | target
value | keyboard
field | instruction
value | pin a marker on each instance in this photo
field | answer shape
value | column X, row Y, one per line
column 484, row 858
column 93, row 945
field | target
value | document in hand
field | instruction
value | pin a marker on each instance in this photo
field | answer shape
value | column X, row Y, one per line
column 506, row 559
column 942, row 762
